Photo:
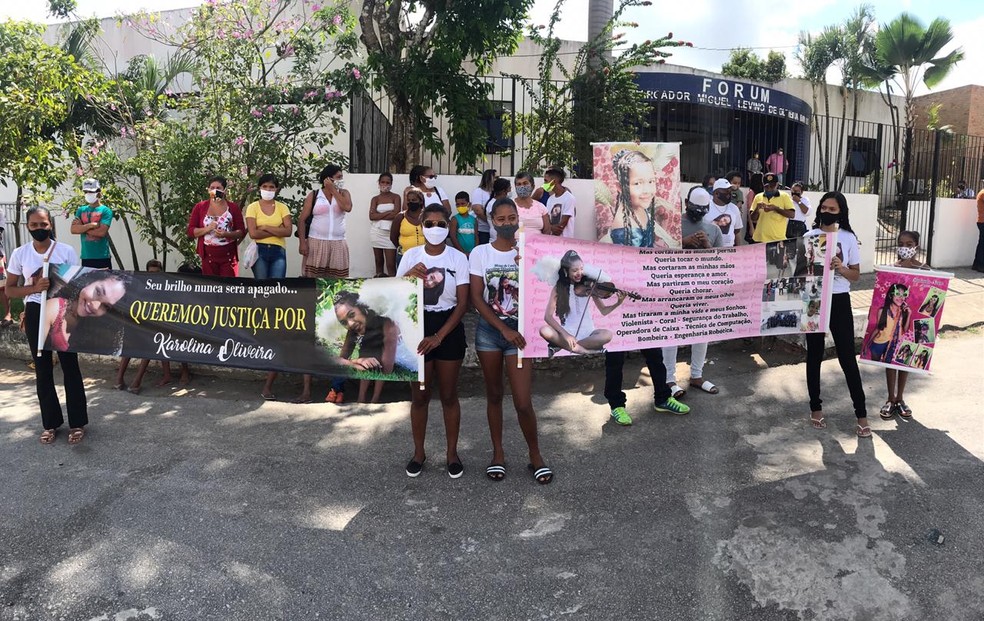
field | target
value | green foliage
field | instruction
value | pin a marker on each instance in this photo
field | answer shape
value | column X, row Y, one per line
column 595, row 99
column 40, row 88
column 417, row 50
column 61, row 8
column 746, row 64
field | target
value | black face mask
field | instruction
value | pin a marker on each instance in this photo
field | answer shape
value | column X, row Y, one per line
column 827, row 218
column 414, row 206
column 696, row 214
column 40, row 234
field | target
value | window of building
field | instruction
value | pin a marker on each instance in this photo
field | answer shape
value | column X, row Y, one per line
column 495, row 124
column 862, row 156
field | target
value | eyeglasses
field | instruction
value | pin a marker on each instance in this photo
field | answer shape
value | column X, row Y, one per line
column 429, row 224
column 900, row 293
column 432, row 176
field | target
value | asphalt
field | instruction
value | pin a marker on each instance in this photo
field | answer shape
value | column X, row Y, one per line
column 204, row 502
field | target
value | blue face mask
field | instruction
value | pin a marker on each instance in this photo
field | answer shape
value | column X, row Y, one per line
column 769, row 194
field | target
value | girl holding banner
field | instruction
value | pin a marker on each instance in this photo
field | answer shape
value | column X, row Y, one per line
column 498, row 341
column 23, row 281
column 832, row 217
column 445, row 272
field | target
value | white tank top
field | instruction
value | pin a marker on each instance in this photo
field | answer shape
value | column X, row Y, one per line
column 328, row 222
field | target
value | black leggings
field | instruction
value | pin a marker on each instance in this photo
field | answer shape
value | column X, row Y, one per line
column 842, row 330
column 44, row 374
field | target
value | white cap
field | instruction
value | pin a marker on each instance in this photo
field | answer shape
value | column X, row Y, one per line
column 700, row 197
column 722, row 184
column 90, row 185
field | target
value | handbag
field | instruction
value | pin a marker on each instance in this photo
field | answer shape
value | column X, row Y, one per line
column 250, row 254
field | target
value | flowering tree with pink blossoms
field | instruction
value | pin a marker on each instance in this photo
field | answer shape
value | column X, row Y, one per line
column 251, row 87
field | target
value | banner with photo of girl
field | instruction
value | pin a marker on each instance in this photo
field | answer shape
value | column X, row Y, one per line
column 363, row 329
column 581, row 297
column 637, row 193
column 904, row 319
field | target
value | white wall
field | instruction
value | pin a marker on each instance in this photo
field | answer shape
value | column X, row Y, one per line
column 955, row 232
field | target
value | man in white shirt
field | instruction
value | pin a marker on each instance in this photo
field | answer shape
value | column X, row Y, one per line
column 724, row 214
column 561, row 205
column 799, row 224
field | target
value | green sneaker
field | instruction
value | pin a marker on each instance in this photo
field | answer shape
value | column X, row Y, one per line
column 673, row 406
column 621, row 416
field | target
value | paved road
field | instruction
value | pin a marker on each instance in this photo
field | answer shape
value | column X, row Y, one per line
column 219, row 506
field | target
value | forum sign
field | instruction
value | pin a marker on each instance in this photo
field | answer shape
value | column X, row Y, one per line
column 718, row 93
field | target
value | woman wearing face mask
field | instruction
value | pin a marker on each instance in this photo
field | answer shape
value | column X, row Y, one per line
column 500, row 190
column 407, row 231
column 479, row 198
column 26, row 261
column 321, row 227
column 218, row 226
column 383, row 210
column 498, row 341
column 533, row 217
column 445, row 271
column 908, row 248
column 424, row 180
column 844, row 260
column 269, row 224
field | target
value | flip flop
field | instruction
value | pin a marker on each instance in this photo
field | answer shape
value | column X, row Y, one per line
column 75, row 435
column 543, row 475
column 676, row 392
column 707, row 387
column 818, row 423
column 269, row 397
column 496, row 472
column 48, row 436
column 298, row 400
column 864, row 432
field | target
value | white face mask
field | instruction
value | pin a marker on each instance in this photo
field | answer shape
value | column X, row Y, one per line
column 436, row 235
column 91, row 197
column 268, row 195
column 339, row 183
column 430, row 184
column 905, row 253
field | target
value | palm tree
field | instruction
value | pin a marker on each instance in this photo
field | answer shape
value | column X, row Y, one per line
column 911, row 51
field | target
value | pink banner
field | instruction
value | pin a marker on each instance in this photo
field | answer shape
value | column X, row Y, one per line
column 585, row 297
column 905, row 316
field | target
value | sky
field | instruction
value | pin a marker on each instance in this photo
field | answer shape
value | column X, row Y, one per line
column 713, row 26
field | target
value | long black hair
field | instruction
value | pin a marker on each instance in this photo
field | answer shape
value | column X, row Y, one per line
column 416, row 173
column 845, row 222
column 94, row 334
column 621, row 163
column 893, row 290
column 563, row 286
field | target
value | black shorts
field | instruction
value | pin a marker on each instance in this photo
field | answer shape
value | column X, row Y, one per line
column 102, row 264
column 454, row 344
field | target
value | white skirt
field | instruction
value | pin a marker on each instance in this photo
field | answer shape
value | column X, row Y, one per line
column 380, row 238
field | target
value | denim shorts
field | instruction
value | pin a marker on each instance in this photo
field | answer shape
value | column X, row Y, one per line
column 487, row 338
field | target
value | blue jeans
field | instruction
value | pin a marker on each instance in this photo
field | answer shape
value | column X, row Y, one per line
column 488, row 338
column 271, row 261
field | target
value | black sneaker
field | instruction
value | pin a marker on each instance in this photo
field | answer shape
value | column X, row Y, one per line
column 455, row 469
column 414, row 468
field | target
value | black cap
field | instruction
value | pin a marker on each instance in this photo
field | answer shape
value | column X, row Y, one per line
column 770, row 178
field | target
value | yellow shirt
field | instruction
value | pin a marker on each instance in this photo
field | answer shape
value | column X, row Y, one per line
column 771, row 226
column 410, row 236
column 280, row 211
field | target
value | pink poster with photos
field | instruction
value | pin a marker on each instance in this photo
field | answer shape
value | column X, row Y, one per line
column 904, row 318
column 581, row 297
column 637, row 194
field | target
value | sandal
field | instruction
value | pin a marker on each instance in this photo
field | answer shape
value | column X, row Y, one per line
column 887, row 411
column 705, row 385
column 543, row 475
column 864, row 432
column 903, row 410
column 818, row 423
column 268, row 396
column 75, row 435
column 48, row 436
column 676, row 392
column 496, row 472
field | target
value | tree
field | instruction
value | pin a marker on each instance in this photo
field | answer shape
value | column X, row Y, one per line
column 746, row 64
column 417, row 48
column 263, row 89
column 595, row 99
column 41, row 83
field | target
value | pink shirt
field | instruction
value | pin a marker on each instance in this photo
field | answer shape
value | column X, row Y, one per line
column 776, row 163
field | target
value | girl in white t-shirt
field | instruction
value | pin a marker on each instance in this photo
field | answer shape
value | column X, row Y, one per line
column 24, row 281
column 445, row 273
column 494, row 280
column 844, row 259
